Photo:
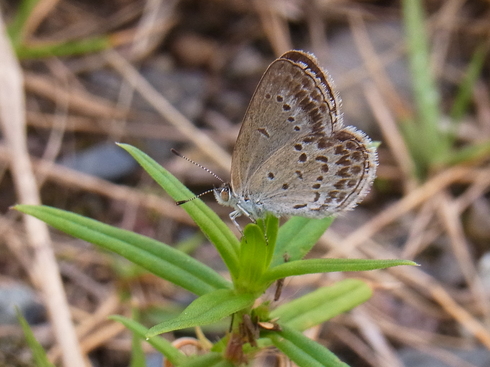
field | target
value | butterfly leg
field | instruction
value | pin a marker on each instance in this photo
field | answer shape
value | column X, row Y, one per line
column 233, row 215
column 240, row 211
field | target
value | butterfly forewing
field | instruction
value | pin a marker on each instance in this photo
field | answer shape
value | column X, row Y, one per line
column 292, row 101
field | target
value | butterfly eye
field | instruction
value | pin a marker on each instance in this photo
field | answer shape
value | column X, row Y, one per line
column 225, row 194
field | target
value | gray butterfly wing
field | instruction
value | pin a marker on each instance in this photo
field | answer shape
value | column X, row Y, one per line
column 316, row 176
column 294, row 100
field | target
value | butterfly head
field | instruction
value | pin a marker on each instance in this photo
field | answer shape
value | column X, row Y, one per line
column 243, row 204
column 225, row 196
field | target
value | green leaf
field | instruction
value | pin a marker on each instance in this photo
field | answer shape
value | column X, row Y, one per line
column 206, row 309
column 272, row 231
column 253, row 258
column 462, row 100
column 58, row 49
column 411, row 132
column 68, row 48
column 175, row 356
column 434, row 143
column 210, row 359
column 322, row 304
column 212, row 226
column 16, row 27
column 302, row 350
column 137, row 354
column 470, row 153
column 158, row 258
column 38, row 352
column 297, row 236
column 312, row 266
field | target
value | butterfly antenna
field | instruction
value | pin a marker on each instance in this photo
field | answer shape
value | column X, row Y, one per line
column 197, row 164
column 180, row 202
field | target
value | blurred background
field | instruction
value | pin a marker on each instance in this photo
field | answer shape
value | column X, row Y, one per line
column 161, row 74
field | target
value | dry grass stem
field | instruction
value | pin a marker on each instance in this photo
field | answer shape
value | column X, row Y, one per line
column 170, row 113
column 448, row 212
column 423, row 283
column 392, row 135
column 41, row 11
column 385, row 354
column 75, row 179
column 420, row 233
column 78, row 100
column 12, row 116
column 354, row 342
column 443, row 23
column 407, row 203
column 274, row 25
column 375, row 66
column 90, row 323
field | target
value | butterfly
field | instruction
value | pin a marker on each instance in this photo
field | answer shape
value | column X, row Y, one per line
column 293, row 155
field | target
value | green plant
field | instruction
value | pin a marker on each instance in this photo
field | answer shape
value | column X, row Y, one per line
column 255, row 263
column 38, row 353
column 431, row 146
column 24, row 50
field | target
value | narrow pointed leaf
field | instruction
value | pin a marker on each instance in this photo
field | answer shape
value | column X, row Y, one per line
column 160, row 344
column 323, row 304
column 469, row 153
column 211, row 359
column 158, row 258
column 137, row 354
column 312, row 266
column 69, row 48
column 212, row 226
column 272, row 231
column 253, row 257
column 302, row 350
column 434, row 144
column 473, row 71
column 20, row 19
column 205, row 310
column 297, row 236
column 38, row 353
